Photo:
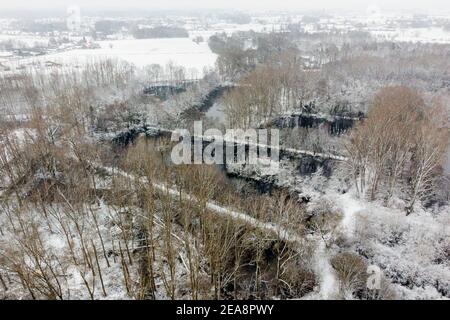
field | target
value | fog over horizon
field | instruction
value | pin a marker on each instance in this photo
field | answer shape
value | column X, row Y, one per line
column 412, row 6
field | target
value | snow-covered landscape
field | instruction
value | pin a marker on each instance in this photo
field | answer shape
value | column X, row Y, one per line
column 349, row 199
column 181, row 51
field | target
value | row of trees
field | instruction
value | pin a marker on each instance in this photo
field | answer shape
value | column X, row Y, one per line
column 400, row 147
column 269, row 90
column 159, row 32
column 223, row 254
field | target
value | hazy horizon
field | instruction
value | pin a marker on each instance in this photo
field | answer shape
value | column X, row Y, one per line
column 423, row 6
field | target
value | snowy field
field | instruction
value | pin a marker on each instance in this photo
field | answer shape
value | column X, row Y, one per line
column 181, row 51
column 424, row 35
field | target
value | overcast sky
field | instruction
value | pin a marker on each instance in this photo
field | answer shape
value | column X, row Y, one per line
column 386, row 5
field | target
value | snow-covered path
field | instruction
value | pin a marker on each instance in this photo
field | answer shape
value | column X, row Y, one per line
column 329, row 285
column 281, row 232
column 349, row 206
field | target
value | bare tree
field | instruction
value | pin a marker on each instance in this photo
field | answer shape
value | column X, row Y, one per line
column 401, row 143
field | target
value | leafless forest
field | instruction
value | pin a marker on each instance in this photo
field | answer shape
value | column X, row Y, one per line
column 91, row 206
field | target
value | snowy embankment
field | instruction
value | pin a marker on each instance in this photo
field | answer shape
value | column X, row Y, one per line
column 280, row 150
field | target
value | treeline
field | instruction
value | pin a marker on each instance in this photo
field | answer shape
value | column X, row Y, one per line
column 400, row 148
column 11, row 44
column 108, row 27
column 240, row 53
column 42, row 27
column 235, row 17
column 159, row 32
column 268, row 91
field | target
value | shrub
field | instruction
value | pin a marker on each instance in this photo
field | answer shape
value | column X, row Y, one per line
column 351, row 270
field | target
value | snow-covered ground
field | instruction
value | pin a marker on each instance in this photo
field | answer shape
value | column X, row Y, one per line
column 425, row 35
column 328, row 283
column 181, row 51
column 412, row 251
column 216, row 112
